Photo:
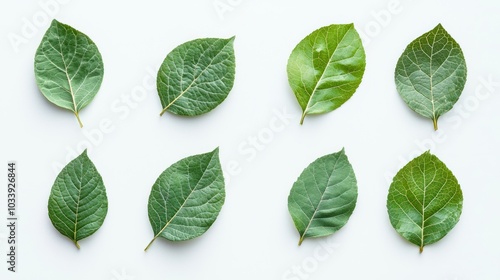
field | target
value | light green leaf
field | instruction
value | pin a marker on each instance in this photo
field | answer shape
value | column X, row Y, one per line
column 425, row 201
column 323, row 197
column 68, row 68
column 187, row 198
column 431, row 74
column 326, row 68
column 196, row 76
column 78, row 203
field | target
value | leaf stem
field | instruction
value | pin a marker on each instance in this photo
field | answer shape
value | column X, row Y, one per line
column 435, row 121
column 76, row 244
column 421, row 249
column 302, row 118
column 78, row 118
column 150, row 243
column 301, row 239
column 163, row 111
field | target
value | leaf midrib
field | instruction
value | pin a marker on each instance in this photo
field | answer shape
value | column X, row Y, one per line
column 77, row 210
column 320, row 200
column 431, row 81
column 66, row 72
column 71, row 91
column 324, row 71
column 423, row 210
column 79, row 188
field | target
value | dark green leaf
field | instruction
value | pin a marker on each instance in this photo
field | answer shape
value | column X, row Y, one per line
column 196, row 76
column 425, row 201
column 78, row 202
column 326, row 68
column 68, row 68
column 324, row 196
column 431, row 74
column 187, row 198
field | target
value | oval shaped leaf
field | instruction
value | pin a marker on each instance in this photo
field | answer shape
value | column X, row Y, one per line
column 326, row 68
column 68, row 68
column 196, row 76
column 425, row 201
column 431, row 74
column 78, row 203
column 187, row 198
column 324, row 196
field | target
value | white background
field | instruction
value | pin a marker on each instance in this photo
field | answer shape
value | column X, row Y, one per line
column 254, row 237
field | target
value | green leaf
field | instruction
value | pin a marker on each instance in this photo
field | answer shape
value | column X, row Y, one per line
column 431, row 74
column 78, row 202
column 425, row 201
column 187, row 198
column 326, row 68
column 68, row 68
column 323, row 197
column 196, row 76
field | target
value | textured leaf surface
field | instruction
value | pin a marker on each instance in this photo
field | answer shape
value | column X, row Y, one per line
column 324, row 196
column 431, row 74
column 68, row 68
column 78, row 203
column 326, row 68
column 187, row 198
column 425, row 201
column 196, row 76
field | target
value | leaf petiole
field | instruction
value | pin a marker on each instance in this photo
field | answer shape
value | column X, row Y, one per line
column 79, row 121
column 435, row 121
column 302, row 118
column 76, row 244
column 150, row 243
